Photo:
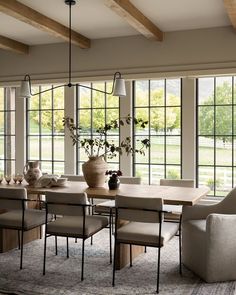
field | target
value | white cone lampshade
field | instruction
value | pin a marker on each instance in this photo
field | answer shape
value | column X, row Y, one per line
column 25, row 89
column 119, row 87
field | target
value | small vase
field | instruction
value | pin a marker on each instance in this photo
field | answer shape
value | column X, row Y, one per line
column 94, row 171
column 113, row 183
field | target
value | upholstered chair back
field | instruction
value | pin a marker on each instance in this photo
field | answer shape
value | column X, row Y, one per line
column 73, row 177
column 228, row 204
column 177, row 182
column 139, row 208
column 130, row 180
column 58, row 203
column 12, row 193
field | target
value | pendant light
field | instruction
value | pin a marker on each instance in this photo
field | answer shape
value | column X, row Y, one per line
column 118, row 86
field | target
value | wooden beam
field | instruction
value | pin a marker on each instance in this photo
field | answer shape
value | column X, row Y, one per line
column 9, row 44
column 42, row 22
column 135, row 18
column 230, row 6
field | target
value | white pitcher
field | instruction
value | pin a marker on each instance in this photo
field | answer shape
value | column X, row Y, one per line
column 32, row 172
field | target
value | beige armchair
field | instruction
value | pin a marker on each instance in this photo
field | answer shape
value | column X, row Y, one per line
column 209, row 239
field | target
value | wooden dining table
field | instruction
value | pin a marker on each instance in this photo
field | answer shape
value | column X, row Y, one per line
column 170, row 195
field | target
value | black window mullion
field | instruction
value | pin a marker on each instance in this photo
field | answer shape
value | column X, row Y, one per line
column 91, row 122
column 214, row 136
column 181, row 128
column 233, row 131
column 5, row 147
column 53, row 131
column 165, row 164
column 133, row 130
column 197, row 132
column 149, row 133
column 77, row 125
column 40, row 125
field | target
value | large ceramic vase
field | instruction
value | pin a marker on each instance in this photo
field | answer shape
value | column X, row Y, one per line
column 94, row 171
column 32, row 172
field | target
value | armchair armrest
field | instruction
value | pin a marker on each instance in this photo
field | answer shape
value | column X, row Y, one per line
column 221, row 226
column 198, row 211
column 221, row 240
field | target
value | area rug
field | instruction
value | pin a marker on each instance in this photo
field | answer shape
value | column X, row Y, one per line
column 63, row 275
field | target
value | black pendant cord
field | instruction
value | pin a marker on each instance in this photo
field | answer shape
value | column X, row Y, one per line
column 69, row 84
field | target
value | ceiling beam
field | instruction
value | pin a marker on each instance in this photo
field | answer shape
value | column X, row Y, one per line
column 9, row 44
column 135, row 18
column 42, row 22
column 230, row 6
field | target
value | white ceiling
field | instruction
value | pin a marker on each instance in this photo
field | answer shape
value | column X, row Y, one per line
column 95, row 20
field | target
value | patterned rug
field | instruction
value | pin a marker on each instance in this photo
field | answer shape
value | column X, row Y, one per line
column 63, row 275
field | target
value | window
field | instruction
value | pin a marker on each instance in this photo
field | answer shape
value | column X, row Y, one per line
column 94, row 110
column 216, row 141
column 7, row 132
column 45, row 131
column 159, row 102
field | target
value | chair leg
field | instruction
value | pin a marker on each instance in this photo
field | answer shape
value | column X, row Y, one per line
column 158, row 268
column 18, row 239
column 75, row 240
column 82, row 267
column 40, row 232
column 110, row 240
column 114, row 264
column 21, row 250
column 55, row 245
column 180, row 253
column 91, row 242
column 130, row 256
column 112, row 226
column 44, row 253
column 67, row 247
column 145, row 249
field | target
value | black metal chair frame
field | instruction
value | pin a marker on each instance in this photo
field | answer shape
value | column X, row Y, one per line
column 160, row 218
column 21, row 229
column 83, row 237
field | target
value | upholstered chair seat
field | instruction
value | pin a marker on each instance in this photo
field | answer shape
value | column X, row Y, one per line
column 145, row 233
column 13, row 219
column 73, row 226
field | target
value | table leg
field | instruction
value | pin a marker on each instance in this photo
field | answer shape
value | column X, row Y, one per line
column 123, row 254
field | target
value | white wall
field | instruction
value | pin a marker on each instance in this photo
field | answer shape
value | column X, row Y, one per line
column 191, row 51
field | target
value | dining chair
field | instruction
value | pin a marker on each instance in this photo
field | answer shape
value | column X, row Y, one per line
column 71, row 219
column 104, row 207
column 73, row 177
column 176, row 210
column 107, row 207
column 209, row 239
column 145, row 226
column 18, row 216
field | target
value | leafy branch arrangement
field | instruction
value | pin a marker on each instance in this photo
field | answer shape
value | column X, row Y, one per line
column 100, row 146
